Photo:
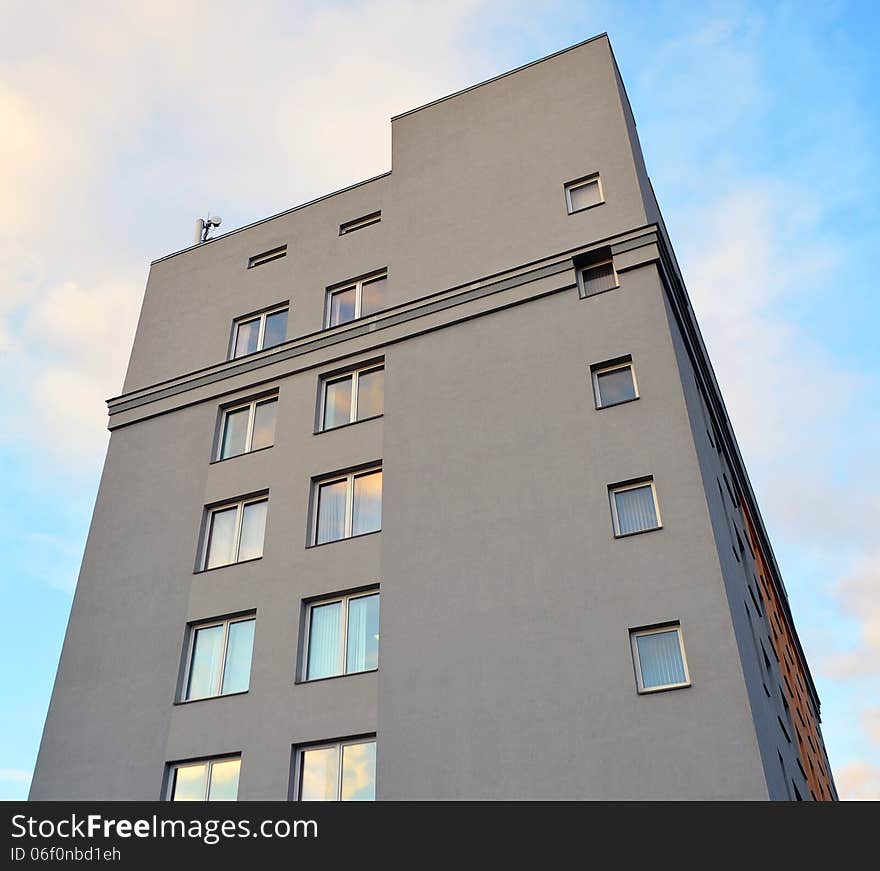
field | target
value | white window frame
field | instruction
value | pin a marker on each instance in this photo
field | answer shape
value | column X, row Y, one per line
column 194, row 629
column 344, row 598
column 246, row 319
column 355, row 375
column 349, row 502
column 604, row 369
column 173, row 766
column 582, row 285
column 239, row 517
column 249, row 436
column 656, row 630
column 324, row 745
column 593, row 178
column 358, row 287
column 635, row 485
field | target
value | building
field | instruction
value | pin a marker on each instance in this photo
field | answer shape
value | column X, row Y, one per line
column 473, row 386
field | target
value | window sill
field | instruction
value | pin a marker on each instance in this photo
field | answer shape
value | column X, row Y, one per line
column 227, row 565
column 236, row 456
column 345, row 425
column 210, row 698
column 637, row 532
column 615, row 404
column 666, row 689
column 337, row 540
column 306, row 681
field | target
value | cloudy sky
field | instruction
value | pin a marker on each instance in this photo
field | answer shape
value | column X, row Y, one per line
column 761, row 127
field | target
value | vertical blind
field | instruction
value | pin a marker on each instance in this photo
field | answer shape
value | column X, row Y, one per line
column 324, row 640
column 660, row 659
column 599, row 278
column 635, row 509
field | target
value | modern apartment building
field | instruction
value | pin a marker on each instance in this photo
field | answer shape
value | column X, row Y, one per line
column 472, row 389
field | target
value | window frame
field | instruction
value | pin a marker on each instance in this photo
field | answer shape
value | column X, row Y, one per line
column 583, row 181
column 581, row 283
column 209, row 761
column 192, row 632
column 360, row 223
column 657, row 629
column 226, row 410
column 344, row 599
column 355, row 374
column 633, row 485
column 211, row 510
column 349, row 478
column 604, row 368
column 356, row 284
column 261, row 316
column 299, row 763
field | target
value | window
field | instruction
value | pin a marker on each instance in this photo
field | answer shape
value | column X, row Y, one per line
column 658, row 654
column 267, row 256
column 235, row 533
column 247, row 427
column 219, row 660
column 584, row 193
column 634, row 508
column 597, row 278
column 356, row 299
column 342, row 635
column 348, row 505
column 614, row 383
column 205, row 780
column 352, row 396
column 360, row 223
column 345, row 771
column 256, row 333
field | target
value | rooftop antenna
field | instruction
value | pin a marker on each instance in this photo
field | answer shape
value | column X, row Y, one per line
column 204, row 227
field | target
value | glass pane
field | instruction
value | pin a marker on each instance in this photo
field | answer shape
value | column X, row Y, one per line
column 320, row 774
column 237, row 674
column 584, row 195
column 342, row 307
column 331, row 512
column 276, row 329
column 325, row 626
column 224, row 780
column 189, row 782
column 253, row 526
column 599, row 278
column 204, row 669
column 635, row 510
column 363, row 634
column 235, row 433
column 246, row 335
column 221, row 538
column 616, row 386
column 660, row 659
column 367, row 503
column 264, row 425
column 359, row 772
column 337, row 402
column 373, row 296
column 371, row 393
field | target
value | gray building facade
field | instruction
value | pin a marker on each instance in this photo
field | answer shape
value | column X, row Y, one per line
column 472, row 389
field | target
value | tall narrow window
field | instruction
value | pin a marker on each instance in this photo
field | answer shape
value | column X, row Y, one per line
column 584, row 193
column 247, row 427
column 235, row 533
column 356, row 299
column 348, row 505
column 205, row 780
column 634, row 508
column 342, row 635
column 258, row 332
column 658, row 655
column 219, row 661
column 352, row 396
column 344, row 771
column 614, row 383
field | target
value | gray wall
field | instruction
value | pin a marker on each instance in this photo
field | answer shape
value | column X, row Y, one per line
column 505, row 668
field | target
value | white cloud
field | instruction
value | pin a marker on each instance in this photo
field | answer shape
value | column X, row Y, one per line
column 858, row 781
column 858, row 594
column 15, row 775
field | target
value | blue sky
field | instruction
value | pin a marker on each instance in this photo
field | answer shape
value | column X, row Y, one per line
column 761, row 128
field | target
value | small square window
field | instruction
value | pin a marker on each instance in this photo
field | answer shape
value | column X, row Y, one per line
column 247, row 427
column 205, row 780
column 347, row 506
column 356, row 299
column 341, row 771
column 596, row 279
column 351, row 396
column 342, row 635
column 258, row 332
column 634, row 508
column 235, row 533
column 219, row 658
column 614, row 383
column 658, row 656
column 584, row 193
